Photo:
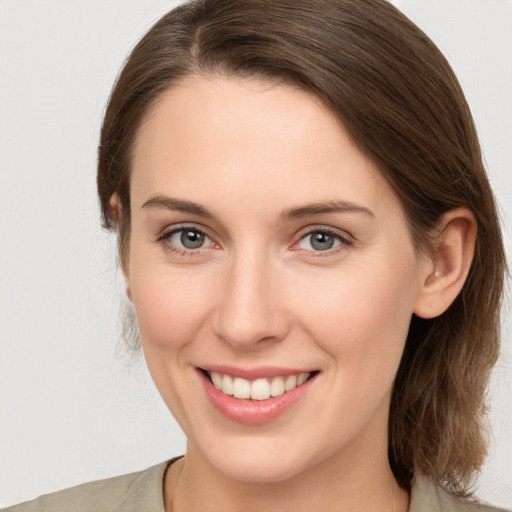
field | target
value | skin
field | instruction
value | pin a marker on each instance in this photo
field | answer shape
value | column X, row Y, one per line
column 257, row 293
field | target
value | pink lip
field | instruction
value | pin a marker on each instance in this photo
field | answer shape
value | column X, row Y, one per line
column 253, row 412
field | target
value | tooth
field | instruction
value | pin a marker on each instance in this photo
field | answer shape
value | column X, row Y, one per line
column 303, row 377
column 216, row 379
column 290, row 383
column 241, row 388
column 277, row 387
column 260, row 389
column 227, row 385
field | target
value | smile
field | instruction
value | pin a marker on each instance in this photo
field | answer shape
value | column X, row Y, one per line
column 255, row 397
column 259, row 389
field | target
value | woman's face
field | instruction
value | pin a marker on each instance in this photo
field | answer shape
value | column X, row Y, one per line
column 266, row 248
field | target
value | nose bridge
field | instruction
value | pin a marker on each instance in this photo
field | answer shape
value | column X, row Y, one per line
column 249, row 311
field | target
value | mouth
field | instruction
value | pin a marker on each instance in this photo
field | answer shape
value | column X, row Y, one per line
column 257, row 389
column 257, row 397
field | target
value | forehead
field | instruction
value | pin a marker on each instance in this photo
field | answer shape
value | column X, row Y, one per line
column 252, row 138
column 233, row 111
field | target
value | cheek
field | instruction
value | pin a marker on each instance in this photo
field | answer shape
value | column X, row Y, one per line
column 361, row 315
column 172, row 310
column 171, row 305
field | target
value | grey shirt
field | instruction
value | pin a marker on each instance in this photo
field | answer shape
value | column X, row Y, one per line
column 143, row 492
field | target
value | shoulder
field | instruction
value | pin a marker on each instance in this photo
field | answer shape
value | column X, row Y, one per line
column 426, row 496
column 133, row 492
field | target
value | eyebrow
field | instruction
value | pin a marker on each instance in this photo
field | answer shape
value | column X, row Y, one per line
column 324, row 207
column 336, row 206
column 169, row 203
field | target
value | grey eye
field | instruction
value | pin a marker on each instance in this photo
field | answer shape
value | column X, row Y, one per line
column 188, row 238
column 319, row 241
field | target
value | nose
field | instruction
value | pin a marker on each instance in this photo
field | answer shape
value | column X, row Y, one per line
column 250, row 312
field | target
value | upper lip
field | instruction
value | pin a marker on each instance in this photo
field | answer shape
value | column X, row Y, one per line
column 260, row 372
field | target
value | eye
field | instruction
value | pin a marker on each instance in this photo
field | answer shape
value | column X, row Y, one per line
column 186, row 239
column 320, row 241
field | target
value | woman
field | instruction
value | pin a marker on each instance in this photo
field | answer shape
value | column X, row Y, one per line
column 312, row 249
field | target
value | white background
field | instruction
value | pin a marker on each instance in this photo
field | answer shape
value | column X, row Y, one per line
column 73, row 407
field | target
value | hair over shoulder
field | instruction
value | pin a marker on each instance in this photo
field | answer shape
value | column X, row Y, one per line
column 398, row 98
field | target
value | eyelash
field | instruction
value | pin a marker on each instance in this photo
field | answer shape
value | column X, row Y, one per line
column 165, row 237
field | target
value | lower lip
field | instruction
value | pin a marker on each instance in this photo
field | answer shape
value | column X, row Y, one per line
column 253, row 412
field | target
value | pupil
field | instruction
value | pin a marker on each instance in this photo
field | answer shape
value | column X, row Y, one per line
column 322, row 241
column 192, row 239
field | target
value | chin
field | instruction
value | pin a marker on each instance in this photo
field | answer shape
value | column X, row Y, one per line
column 259, row 460
column 258, row 471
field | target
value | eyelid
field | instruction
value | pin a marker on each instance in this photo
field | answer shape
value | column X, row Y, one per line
column 173, row 228
column 315, row 228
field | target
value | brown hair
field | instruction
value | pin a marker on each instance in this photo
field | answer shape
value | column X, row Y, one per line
column 397, row 96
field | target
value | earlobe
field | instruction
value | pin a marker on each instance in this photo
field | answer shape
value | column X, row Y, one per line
column 446, row 269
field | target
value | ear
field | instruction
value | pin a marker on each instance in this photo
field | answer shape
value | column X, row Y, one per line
column 115, row 208
column 445, row 270
column 116, row 212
